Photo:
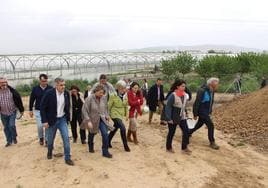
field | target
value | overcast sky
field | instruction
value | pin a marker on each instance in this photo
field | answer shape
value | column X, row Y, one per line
column 33, row 26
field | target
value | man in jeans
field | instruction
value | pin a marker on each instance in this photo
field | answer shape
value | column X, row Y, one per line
column 10, row 101
column 202, row 109
column 35, row 98
column 55, row 113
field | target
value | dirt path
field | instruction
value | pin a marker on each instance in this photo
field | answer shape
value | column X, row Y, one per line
column 147, row 165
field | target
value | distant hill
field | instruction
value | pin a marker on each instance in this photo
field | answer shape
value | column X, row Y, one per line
column 201, row 48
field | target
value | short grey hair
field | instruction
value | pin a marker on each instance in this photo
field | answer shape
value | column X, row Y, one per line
column 57, row 80
column 213, row 79
column 121, row 83
column 2, row 78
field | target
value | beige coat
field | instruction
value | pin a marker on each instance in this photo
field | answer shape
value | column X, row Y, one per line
column 92, row 111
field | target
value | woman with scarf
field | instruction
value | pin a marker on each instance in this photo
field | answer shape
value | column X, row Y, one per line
column 135, row 101
column 175, row 112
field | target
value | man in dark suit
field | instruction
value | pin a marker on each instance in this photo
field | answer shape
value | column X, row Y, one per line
column 155, row 99
column 55, row 114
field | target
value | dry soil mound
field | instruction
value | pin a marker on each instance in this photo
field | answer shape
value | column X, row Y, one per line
column 246, row 117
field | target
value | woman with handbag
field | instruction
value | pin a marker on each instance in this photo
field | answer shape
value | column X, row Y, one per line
column 175, row 112
column 95, row 119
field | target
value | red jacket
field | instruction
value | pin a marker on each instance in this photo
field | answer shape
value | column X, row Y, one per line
column 135, row 102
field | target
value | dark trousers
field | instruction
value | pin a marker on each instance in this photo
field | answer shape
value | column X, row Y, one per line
column 171, row 132
column 118, row 124
column 77, row 119
column 105, row 140
column 205, row 120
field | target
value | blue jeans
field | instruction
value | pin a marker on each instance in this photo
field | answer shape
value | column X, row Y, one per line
column 9, row 126
column 105, row 138
column 40, row 128
column 60, row 124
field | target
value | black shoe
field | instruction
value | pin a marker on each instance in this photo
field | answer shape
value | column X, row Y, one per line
column 91, row 151
column 15, row 141
column 110, row 145
column 8, row 144
column 163, row 123
column 83, row 142
column 41, row 141
column 49, row 155
column 69, row 162
column 108, row 155
column 126, row 148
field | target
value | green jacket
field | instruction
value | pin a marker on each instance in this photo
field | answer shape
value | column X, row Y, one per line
column 117, row 107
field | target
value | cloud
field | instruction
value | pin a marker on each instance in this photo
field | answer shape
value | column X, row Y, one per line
column 62, row 25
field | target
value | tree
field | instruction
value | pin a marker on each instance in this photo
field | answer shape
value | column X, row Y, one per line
column 168, row 68
column 183, row 63
column 224, row 65
column 244, row 62
column 205, row 67
column 211, row 51
column 260, row 65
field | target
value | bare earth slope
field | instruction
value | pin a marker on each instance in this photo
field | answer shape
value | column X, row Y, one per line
column 246, row 118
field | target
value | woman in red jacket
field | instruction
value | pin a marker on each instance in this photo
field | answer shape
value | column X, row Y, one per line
column 135, row 101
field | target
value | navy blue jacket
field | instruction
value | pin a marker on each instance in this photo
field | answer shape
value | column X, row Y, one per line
column 48, row 107
column 36, row 96
column 152, row 99
column 204, row 102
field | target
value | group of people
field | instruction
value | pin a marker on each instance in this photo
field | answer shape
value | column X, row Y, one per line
column 104, row 109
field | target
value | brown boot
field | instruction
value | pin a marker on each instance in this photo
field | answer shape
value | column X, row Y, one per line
column 135, row 137
column 129, row 136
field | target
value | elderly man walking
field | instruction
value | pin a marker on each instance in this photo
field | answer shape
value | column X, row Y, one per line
column 10, row 102
column 55, row 113
column 202, row 109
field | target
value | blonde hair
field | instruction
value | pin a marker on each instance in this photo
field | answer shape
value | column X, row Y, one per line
column 98, row 88
column 121, row 84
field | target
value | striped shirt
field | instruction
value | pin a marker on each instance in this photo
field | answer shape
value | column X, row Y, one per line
column 7, row 105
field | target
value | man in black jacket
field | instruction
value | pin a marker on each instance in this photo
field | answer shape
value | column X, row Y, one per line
column 155, row 99
column 35, row 98
column 55, row 114
column 202, row 109
column 10, row 102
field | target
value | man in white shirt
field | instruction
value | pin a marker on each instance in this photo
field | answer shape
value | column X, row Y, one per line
column 55, row 115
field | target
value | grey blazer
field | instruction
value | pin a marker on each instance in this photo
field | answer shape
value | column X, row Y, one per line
column 93, row 111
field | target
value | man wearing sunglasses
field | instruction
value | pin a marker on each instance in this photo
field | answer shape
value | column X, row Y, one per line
column 35, row 100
